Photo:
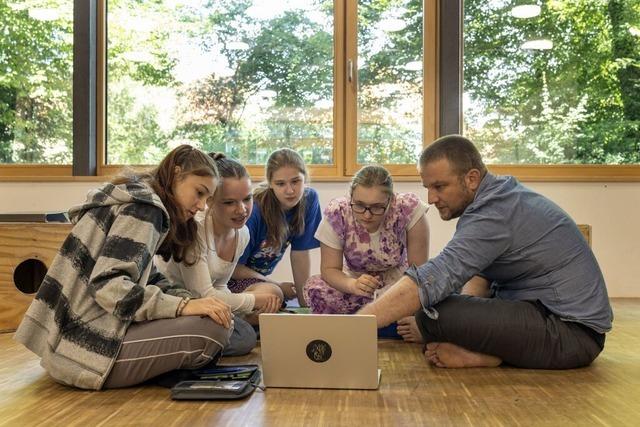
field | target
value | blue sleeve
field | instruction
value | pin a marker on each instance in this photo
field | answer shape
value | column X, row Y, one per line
column 253, row 224
column 479, row 240
column 312, row 218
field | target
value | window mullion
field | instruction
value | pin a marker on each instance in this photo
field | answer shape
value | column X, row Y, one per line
column 84, row 87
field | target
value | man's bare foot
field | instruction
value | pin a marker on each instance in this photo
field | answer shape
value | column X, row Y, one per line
column 408, row 329
column 447, row 355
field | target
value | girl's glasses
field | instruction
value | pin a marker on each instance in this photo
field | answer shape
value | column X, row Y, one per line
column 373, row 210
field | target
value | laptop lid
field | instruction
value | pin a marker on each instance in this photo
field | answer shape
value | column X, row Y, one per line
column 319, row 351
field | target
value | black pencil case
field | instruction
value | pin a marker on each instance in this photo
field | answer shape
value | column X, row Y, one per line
column 219, row 383
column 211, row 390
column 229, row 373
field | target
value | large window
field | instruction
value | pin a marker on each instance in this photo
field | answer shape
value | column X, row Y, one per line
column 389, row 82
column 548, row 89
column 247, row 77
column 241, row 77
column 553, row 82
column 36, row 48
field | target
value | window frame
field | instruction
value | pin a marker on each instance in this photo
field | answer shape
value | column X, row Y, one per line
column 345, row 102
column 442, row 104
column 452, row 69
column 83, row 104
column 429, row 90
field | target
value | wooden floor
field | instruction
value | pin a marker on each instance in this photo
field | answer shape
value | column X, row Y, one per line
column 411, row 393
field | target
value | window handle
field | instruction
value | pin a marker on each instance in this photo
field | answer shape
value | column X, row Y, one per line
column 350, row 70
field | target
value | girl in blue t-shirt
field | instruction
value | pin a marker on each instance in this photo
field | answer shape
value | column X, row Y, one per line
column 286, row 212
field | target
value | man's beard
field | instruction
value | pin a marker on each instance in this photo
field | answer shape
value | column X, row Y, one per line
column 468, row 199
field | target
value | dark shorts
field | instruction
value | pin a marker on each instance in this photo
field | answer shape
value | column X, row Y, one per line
column 523, row 334
column 240, row 285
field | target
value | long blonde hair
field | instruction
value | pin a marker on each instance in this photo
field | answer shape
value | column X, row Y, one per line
column 227, row 168
column 270, row 208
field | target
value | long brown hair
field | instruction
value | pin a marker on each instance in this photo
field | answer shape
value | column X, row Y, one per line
column 272, row 212
column 181, row 242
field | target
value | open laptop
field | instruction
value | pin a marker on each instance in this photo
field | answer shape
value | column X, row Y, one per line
column 319, row 351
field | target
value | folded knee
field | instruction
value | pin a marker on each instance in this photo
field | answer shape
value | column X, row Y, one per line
column 207, row 332
column 243, row 339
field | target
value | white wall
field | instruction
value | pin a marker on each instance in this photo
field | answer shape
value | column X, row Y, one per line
column 612, row 209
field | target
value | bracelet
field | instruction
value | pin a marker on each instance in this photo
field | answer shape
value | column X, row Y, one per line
column 181, row 305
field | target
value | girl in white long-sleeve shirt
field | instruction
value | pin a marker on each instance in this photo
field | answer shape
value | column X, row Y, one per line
column 223, row 237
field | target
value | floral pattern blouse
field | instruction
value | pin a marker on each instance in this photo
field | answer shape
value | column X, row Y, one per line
column 383, row 253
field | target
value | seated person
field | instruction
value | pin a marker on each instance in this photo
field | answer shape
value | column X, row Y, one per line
column 548, row 307
column 286, row 213
column 103, row 316
column 223, row 237
column 378, row 234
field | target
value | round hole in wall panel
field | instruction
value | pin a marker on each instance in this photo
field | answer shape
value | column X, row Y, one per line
column 28, row 275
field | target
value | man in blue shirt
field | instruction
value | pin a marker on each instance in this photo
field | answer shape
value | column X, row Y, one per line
column 544, row 303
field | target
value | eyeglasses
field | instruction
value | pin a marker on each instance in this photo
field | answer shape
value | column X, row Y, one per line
column 373, row 210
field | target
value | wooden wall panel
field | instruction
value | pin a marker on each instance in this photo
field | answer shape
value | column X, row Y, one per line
column 20, row 242
column 585, row 229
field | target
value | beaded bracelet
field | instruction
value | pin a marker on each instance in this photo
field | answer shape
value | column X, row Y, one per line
column 181, row 305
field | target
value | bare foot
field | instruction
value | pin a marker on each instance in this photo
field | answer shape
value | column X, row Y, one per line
column 447, row 355
column 408, row 329
column 300, row 294
column 252, row 318
column 288, row 290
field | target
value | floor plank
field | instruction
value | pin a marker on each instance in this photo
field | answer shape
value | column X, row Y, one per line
column 411, row 393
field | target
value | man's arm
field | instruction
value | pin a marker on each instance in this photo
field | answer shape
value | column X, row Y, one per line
column 478, row 287
column 401, row 300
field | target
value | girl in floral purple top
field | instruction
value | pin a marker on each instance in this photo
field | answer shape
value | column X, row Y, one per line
column 367, row 241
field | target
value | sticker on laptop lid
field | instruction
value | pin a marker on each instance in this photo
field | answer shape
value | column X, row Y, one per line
column 319, row 351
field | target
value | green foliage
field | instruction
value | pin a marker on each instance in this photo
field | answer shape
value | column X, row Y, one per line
column 134, row 136
column 575, row 103
column 35, row 86
column 388, row 132
column 290, row 56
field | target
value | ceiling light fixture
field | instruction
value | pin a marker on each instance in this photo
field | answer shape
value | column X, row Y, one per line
column 237, row 45
column 413, row 66
column 392, row 24
column 526, row 11
column 44, row 14
column 540, row 44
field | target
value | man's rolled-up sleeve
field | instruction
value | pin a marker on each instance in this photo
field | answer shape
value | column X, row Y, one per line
column 478, row 241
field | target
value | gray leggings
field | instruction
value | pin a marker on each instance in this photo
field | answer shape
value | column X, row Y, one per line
column 521, row 333
column 158, row 346
column 243, row 338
